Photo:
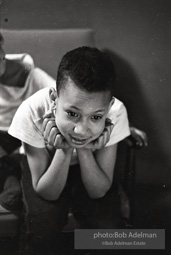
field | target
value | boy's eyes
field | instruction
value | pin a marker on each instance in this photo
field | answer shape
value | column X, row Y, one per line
column 76, row 115
column 72, row 114
column 96, row 117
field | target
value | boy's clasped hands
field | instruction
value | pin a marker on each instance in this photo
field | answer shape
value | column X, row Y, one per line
column 55, row 139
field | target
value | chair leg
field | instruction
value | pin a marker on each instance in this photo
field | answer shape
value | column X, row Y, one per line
column 125, row 203
column 129, row 182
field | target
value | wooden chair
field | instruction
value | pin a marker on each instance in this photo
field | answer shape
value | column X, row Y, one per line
column 127, row 180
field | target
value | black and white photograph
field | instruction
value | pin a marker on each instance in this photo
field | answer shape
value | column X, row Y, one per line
column 85, row 127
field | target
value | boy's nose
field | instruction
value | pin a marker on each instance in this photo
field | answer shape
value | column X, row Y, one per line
column 81, row 129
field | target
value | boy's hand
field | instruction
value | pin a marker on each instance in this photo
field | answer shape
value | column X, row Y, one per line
column 52, row 136
column 103, row 139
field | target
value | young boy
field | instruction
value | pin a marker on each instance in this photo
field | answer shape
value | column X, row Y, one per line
column 19, row 79
column 70, row 134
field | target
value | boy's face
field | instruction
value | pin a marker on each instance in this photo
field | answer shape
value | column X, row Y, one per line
column 80, row 115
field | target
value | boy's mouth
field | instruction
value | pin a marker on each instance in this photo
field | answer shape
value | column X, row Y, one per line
column 77, row 141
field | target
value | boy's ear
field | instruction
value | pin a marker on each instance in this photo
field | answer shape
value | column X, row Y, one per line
column 111, row 102
column 52, row 94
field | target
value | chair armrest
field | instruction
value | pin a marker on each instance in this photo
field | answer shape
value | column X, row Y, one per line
column 137, row 138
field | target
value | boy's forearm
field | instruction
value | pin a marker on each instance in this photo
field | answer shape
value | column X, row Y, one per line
column 94, row 178
column 52, row 182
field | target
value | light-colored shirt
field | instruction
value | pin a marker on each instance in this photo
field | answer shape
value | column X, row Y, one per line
column 12, row 97
column 28, row 120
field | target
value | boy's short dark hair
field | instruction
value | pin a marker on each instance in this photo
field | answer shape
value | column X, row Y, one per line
column 89, row 68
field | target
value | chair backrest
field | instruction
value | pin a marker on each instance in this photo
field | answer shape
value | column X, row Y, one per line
column 46, row 46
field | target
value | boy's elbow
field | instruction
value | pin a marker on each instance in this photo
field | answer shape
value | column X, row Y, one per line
column 46, row 195
column 101, row 192
column 105, row 188
column 49, row 197
column 97, row 195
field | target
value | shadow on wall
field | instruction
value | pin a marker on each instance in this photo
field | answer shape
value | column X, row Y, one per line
column 129, row 91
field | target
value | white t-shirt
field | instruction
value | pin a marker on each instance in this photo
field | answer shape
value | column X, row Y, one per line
column 28, row 120
column 12, row 97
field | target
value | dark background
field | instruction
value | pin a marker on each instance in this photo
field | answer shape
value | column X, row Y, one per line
column 138, row 36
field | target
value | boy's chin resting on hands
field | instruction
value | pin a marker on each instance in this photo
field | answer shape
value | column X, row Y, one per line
column 55, row 140
column 102, row 140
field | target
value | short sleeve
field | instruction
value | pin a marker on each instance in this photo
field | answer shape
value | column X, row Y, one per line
column 119, row 117
column 25, row 126
column 24, row 59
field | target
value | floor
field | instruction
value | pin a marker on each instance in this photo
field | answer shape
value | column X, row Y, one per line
column 152, row 211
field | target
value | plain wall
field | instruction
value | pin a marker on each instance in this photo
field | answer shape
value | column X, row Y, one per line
column 137, row 34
